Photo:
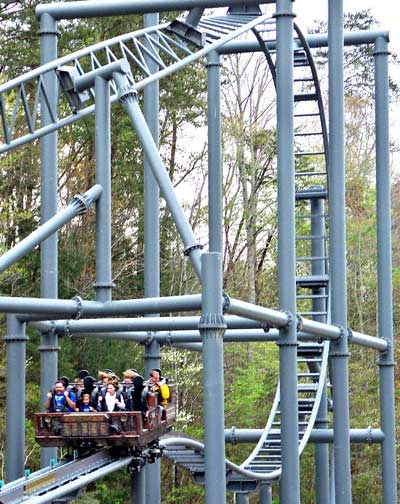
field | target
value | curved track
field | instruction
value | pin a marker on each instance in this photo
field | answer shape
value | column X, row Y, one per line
column 23, row 99
column 311, row 150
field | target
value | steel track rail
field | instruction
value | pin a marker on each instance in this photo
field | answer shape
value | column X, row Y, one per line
column 23, row 98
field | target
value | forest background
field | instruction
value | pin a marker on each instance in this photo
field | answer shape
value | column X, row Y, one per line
column 250, row 253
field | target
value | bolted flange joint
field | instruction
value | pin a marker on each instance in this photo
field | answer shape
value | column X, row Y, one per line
column 369, row 435
column 189, row 250
column 385, row 358
column 290, row 318
column 282, row 14
column 349, row 336
column 342, row 333
column 233, row 437
column 79, row 306
column 226, row 304
column 299, row 324
column 67, row 330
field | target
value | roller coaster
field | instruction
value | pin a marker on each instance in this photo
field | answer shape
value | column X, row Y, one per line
column 309, row 327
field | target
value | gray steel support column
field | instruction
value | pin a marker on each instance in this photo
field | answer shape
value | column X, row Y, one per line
column 103, row 283
column 48, row 208
column 290, row 481
column 214, row 153
column 242, row 498
column 385, row 295
column 337, row 254
column 129, row 101
column 15, row 429
column 212, row 327
column 151, row 477
column 138, row 487
column 265, row 493
column 318, row 249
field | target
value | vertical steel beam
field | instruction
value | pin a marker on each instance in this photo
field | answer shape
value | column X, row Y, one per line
column 212, row 328
column 337, row 253
column 138, row 488
column 385, row 296
column 318, row 249
column 103, row 283
column 265, row 493
column 242, row 498
column 48, row 207
column 151, row 477
column 214, row 152
column 15, row 429
column 290, row 481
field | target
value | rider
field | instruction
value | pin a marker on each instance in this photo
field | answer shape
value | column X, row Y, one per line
column 60, row 399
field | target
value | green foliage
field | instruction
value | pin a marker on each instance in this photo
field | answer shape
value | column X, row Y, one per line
column 249, row 136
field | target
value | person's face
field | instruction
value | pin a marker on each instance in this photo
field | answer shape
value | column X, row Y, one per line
column 155, row 376
column 128, row 381
column 111, row 389
column 59, row 388
column 86, row 399
column 105, row 380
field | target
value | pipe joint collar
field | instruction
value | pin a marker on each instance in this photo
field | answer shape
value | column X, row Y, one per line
column 126, row 92
column 189, row 250
column 290, row 318
column 342, row 334
column 212, row 322
column 369, row 435
column 349, row 336
column 284, row 14
column 82, row 202
column 226, row 304
column 232, row 435
column 79, row 307
column 299, row 323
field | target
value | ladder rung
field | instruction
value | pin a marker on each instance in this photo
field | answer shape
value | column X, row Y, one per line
column 308, row 134
column 310, row 174
column 310, row 216
column 305, row 97
column 311, row 258
column 312, row 237
column 312, row 313
column 310, row 114
column 311, row 153
column 314, row 359
column 312, row 296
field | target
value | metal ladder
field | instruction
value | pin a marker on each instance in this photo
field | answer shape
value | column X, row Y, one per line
column 311, row 148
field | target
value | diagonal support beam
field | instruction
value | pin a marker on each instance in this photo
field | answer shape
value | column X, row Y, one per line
column 129, row 101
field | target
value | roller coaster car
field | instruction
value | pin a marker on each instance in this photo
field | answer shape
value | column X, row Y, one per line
column 123, row 428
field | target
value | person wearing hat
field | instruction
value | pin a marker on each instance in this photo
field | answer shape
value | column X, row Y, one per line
column 156, row 386
column 59, row 399
column 132, row 388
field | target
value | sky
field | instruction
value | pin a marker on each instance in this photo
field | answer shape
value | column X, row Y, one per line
column 387, row 12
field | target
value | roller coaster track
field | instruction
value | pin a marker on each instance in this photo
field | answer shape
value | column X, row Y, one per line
column 24, row 102
column 41, row 486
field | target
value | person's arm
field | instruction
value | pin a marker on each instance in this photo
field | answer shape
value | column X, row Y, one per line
column 48, row 401
column 120, row 402
column 70, row 402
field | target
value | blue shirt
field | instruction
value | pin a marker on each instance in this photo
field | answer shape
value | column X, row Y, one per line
column 72, row 396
